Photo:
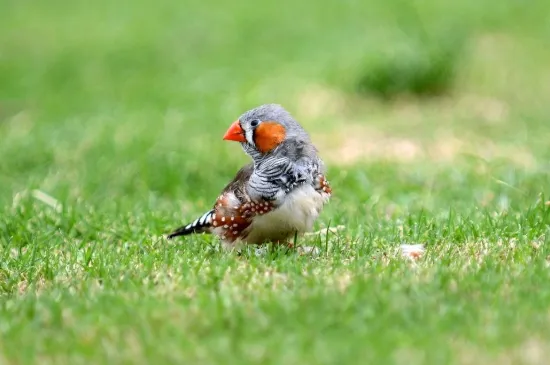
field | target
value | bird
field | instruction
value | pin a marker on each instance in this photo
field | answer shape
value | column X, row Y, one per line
column 275, row 197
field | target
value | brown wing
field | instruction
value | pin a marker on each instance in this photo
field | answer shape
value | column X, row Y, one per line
column 238, row 184
column 234, row 210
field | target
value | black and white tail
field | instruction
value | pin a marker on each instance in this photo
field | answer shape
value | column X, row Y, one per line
column 199, row 225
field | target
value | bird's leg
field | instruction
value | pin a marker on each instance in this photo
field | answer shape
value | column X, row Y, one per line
column 286, row 244
column 302, row 250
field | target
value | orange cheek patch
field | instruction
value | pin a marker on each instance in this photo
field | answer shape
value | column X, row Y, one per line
column 269, row 135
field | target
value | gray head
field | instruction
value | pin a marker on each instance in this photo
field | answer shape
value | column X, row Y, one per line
column 264, row 129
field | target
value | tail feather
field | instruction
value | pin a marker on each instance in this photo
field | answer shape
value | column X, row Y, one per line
column 199, row 225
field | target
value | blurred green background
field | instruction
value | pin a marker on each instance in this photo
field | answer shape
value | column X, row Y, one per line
column 432, row 117
column 125, row 100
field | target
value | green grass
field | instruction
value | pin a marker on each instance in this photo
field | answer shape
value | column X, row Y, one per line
column 116, row 110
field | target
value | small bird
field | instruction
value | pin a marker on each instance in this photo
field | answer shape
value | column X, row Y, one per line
column 278, row 195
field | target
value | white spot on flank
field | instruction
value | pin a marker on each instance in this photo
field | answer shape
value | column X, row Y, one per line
column 225, row 226
column 214, row 223
column 235, row 232
column 235, row 225
column 232, row 218
column 223, row 219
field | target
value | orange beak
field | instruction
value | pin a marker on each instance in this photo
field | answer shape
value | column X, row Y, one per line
column 235, row 133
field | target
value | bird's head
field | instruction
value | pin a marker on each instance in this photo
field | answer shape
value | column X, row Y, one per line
column 261, row 130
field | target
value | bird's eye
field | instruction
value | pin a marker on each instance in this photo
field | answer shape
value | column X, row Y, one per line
column 254, row 123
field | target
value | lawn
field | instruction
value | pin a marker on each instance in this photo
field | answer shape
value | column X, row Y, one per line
column 111, row 122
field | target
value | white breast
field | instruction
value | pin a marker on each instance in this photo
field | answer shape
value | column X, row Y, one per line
column 298, row 212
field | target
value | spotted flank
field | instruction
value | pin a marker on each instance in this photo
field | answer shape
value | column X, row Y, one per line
column 199, row 225
column 229, row 219
column 232, row 217
column 324, row 185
